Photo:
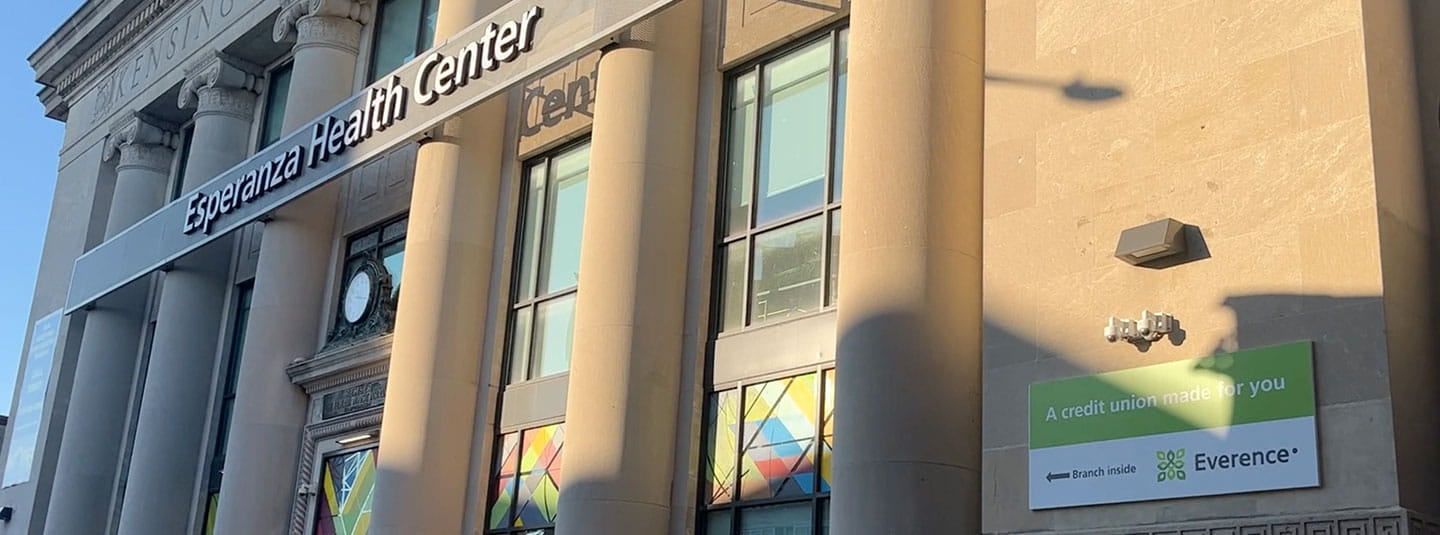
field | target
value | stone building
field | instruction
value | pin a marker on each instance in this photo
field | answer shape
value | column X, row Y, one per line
column 321, row 267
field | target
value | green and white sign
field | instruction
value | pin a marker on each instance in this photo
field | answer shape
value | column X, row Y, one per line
column 1224, row 424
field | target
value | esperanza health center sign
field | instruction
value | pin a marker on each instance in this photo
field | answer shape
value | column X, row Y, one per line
column 518, row 40
column 1223, row 424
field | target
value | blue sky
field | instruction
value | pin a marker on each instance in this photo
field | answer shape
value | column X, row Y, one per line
column 29, row 146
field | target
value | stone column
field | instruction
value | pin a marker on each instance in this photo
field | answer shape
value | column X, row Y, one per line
column 629, row 319
column 80, row 501
column 424, row 464
column 289, row 302
column 170, row 433
column 907, row 452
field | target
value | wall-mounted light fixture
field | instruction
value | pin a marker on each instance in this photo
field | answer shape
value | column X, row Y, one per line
column 1151, row 241
column 356, row 439
column 1151, row 327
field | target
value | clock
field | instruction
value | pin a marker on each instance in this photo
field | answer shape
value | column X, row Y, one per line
column 367, row 306
column 359, row 296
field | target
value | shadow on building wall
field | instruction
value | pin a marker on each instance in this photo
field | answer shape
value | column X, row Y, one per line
column 1075, row 89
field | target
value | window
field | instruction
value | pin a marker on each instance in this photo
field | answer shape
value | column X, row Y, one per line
column 781, row 222
column 768, row 456
column 547, row 269
column 525, row 484
column 187, row 137
column 384, row 243
column 277, row 92
column 347, row 486
column 403, row 28
column 227, row 402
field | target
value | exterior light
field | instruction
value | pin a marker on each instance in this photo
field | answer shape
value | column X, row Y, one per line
column 354, row 439
column 1151, row 241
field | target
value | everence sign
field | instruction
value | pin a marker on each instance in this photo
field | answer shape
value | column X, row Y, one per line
column 515, row 42
column 1224, row 424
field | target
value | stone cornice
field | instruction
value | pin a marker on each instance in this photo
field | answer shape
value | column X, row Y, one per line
column 369, row 358
column 93, row 36
column 218, row 70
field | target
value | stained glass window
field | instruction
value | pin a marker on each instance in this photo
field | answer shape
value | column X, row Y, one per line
column 778, row 453
column 723, row 420
column 827, row 430
column 347, row 488
column 525, row 488
column 502, row 488
column 765, row 445
column 212, row 506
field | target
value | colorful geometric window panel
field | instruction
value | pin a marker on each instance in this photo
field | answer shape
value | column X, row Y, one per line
column 778, row 452
column 503, row 489
column 348, row 486
column 827, row 430
column 212, row 505
column 722, row 431
column 540, row 480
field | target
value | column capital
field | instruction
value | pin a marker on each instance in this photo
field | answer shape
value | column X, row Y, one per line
column 136, row 135
column 220, row 83
column 328, row 22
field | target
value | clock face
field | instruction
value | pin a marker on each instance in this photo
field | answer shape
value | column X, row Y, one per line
column 357, row 296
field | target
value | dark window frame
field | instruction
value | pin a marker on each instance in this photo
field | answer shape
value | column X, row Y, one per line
column 267, row 113
column 228, row 390
column 423, row 36
column 828, row 210
column 498, row 446
column 523, row 224
column 736, row 507
column 387, row 233
column 187, row 139
column 322, row 463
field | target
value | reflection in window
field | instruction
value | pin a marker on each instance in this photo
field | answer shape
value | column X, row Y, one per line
column 547, row 264
column 764, row 471
column 347, row 488
column 526, row 481
column 784, row 127
column 403, row 28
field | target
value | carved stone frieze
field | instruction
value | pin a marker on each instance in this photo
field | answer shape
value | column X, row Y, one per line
column 1394, row 521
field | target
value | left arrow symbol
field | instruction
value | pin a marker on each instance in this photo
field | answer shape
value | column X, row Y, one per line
column 1054, row 476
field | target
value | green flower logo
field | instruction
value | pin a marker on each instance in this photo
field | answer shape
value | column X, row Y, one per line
column 1171, row 465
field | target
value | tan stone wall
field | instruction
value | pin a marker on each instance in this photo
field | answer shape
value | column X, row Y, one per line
column 558, row 106
column 1250, row 120
column 1401, row 50
column 753, row 26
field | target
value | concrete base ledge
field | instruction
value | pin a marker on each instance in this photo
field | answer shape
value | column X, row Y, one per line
column 1388, row 521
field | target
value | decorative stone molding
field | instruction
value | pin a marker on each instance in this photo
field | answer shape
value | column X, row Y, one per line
column 331, row 22
column 140, row 140
column 219, row 83
column 1392, row 521
column 359, row 362
column 314, row 433
column 138, row 24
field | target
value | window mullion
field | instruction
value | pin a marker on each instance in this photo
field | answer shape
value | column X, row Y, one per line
column 751, row 214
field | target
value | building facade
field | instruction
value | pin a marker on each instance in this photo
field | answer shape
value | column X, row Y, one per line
column 344, row 267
